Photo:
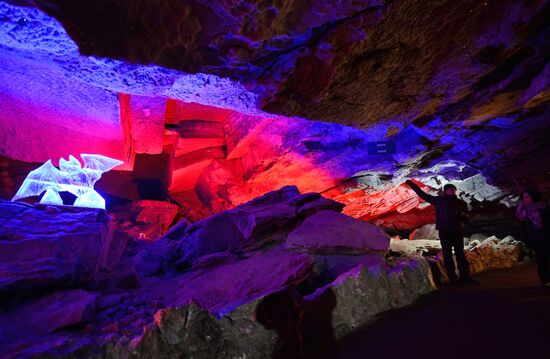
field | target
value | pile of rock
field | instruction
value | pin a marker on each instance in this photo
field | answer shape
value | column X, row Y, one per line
column 46, row 252
column 226, row 286
column 304, row 222
column 43, row 247
column 483, row 252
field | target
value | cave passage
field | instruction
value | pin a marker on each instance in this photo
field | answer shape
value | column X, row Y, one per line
column 506, row 316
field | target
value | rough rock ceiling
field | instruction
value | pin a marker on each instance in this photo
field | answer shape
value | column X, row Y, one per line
column 459, row 83
column 356, row 62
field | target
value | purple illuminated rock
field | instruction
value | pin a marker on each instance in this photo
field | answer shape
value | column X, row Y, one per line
column 250, row 225
column 253, row 221
column 214, row 234
column 329, row 232
column 222, row 289
column 245, row 228
column 51, row 312
column 318, row 203
column 42, row 248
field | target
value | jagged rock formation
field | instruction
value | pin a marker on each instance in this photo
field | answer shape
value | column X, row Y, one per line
column 259, row 289
column 483, row 253
column 211, row 105
column 474, row 91
column 48, row 247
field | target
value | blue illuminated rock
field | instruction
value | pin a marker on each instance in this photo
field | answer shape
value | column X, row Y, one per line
column 41, row 248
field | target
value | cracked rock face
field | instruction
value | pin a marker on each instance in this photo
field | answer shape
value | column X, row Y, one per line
column 464, row 82
column 461, row 89
column 354, row 62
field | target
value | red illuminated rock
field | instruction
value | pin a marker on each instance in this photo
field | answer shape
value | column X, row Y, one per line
column 406, row 221
column 153, row 217
column 146, row 116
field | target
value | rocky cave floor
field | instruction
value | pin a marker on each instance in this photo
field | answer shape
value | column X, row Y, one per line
column 273, row 277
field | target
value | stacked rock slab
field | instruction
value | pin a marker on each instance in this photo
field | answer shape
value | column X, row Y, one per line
column 284, row 275
column 44, row 247
column 245, row 228
column 50, row 259
column 286, row 323
column 264, row 278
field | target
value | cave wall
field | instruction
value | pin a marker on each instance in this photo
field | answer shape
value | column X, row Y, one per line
column 460, row 88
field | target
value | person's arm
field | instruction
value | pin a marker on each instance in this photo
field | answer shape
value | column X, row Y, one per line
column 426, row 197
column 520, row 211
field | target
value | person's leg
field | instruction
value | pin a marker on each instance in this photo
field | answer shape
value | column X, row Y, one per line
column 461, row 261
column 541, row 257
column 447, row 248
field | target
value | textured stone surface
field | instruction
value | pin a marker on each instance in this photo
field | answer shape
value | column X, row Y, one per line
column 222, row 289
column 260, row 302
column 427, row 231
column 333, row 61
column 487, row 85
column 461, row 88
column 363, row 292
column 483, row 253
column 50, row 312
column 494, row 253
column 329, row 232
column 286, row 323
column 360, row 64
column 146, row 115
column 41, row 248
column 252, row 225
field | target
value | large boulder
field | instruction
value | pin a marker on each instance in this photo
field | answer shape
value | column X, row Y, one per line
column 427, row 231
column 283, row 323
column 51, row 312
column 249, row 226
column 215, row 234
column 223, row 288
column 49, row 246
column 361, row 293
column 329, row 232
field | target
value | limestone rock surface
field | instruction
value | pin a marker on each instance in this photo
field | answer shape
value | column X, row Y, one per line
column 245, row 228
column 56, row 247
column 50, row 312
column 427, row 231
column 329, row 232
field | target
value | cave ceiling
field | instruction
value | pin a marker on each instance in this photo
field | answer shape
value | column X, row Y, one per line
column 459, row 82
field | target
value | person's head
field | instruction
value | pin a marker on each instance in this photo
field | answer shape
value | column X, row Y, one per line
column 531, row 196
column 449, row 190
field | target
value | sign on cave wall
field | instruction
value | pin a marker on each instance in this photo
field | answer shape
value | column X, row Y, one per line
column 381, row 148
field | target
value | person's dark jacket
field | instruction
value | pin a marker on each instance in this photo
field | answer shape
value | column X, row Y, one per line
column 536, row 237
column 450, row 211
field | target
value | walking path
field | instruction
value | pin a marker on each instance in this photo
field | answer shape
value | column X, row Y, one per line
column 506, row 316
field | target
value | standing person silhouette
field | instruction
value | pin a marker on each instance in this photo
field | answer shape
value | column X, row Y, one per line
column 451, row 213
column 534, row 213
